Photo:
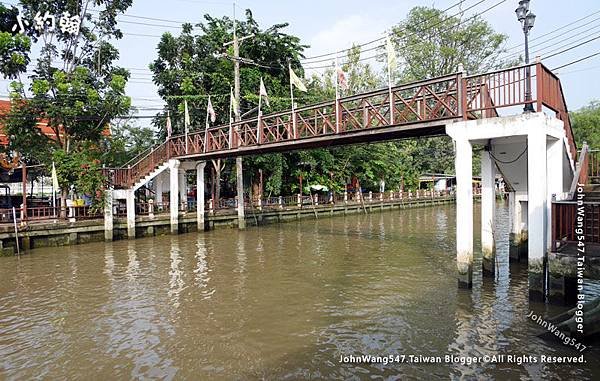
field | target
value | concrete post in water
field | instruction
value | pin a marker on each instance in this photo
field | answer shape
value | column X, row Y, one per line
column 210, row 206
column 174, row 194
column 345, row 197
column 370, row 196
column 464, row 212
column 151, row 208
column 518, row 239
column 200, row 195
column 182, row 179
column 280, row 202
column 299, row 200
column 158, row 184
column 488, row 206
column 240, row 193
column 130, row 200
column 316, row 199
column 561, row 274
column 108, row 216
column 536, row 209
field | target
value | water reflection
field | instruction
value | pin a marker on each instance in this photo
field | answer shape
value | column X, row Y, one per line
column 201, row 270
column 176, row 282
column 275, row 302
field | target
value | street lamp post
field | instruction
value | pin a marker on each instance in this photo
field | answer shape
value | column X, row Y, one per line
column 527, row 20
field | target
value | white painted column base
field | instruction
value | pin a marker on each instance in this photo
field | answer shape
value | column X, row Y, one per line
column 200, row 195
column 130, row 201
column 108, row 216
column 464, row 212
column 488, row 206
column 174, row 194
column 537, row 212
column 240, row 193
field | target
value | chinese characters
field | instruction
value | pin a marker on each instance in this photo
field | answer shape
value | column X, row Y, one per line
column 47, row 22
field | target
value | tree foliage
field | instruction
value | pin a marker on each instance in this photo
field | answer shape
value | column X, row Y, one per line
column 586, row 125
column 75, row 87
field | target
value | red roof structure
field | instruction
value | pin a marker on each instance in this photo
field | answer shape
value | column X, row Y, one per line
column 43, row 125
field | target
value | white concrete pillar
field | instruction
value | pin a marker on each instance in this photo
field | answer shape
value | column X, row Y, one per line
column 200, row 195
column 240, row 193
column 555, row 156
column 174, row 194
column 182, row 179
column 537, row 211
column 464, row 212
column 488, row 206
column 130, row 201
column 158, row 187
column 151, row 208
column 108, row 216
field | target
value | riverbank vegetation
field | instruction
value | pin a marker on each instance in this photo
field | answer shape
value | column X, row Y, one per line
column 79, row 91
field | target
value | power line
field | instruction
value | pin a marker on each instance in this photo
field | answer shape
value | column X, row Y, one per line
column 559, row 29
column 577, row 61
column 444, row 31
column 373, row 41
column 553, row 47
column 572, row 47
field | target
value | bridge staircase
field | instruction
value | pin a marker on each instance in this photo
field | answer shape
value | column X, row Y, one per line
column 421, row 108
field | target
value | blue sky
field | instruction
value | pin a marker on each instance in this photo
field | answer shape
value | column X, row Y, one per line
column 333, row 25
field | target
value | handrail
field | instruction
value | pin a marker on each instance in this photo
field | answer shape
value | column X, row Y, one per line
column 455, row 96
column 581, row 170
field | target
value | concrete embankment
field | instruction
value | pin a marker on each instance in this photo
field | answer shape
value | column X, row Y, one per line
column 60, row 233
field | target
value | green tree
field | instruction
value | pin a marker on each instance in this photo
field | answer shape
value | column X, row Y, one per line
column 126, row 142
column 191, row 67
column 586, row 125
column 431, row 44
column 75, row 87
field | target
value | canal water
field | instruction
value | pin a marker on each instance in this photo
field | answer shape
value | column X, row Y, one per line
column 275, row 302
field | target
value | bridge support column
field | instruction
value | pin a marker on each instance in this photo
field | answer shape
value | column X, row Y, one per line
column 240, row 193
column 130, row 201
column 537, row 212
column 464, row 212
column 108, row 216
column 488, row 206
column 174, row 194
column 158, row 188
column 200, row 195
column 182, row 179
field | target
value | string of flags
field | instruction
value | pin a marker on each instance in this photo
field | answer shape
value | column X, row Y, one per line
column 341, row 82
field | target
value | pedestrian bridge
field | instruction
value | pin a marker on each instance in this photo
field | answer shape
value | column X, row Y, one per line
column 535, row 152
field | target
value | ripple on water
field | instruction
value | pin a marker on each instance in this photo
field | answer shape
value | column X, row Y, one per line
column 280, row 301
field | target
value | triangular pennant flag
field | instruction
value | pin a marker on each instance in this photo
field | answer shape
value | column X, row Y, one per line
column 55, row 179
column 211, row 111
column 391, row 53
column 169, row 125
column 263, row 92
column 186, row 117
column 341, row 78
column 294, row 80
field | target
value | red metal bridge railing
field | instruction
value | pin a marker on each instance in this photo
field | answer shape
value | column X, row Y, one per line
column 450, row 97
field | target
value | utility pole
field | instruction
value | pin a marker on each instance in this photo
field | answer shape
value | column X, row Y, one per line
column 236, row 115
column 236, row 94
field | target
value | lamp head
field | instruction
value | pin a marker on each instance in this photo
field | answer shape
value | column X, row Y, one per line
column 529, row 21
